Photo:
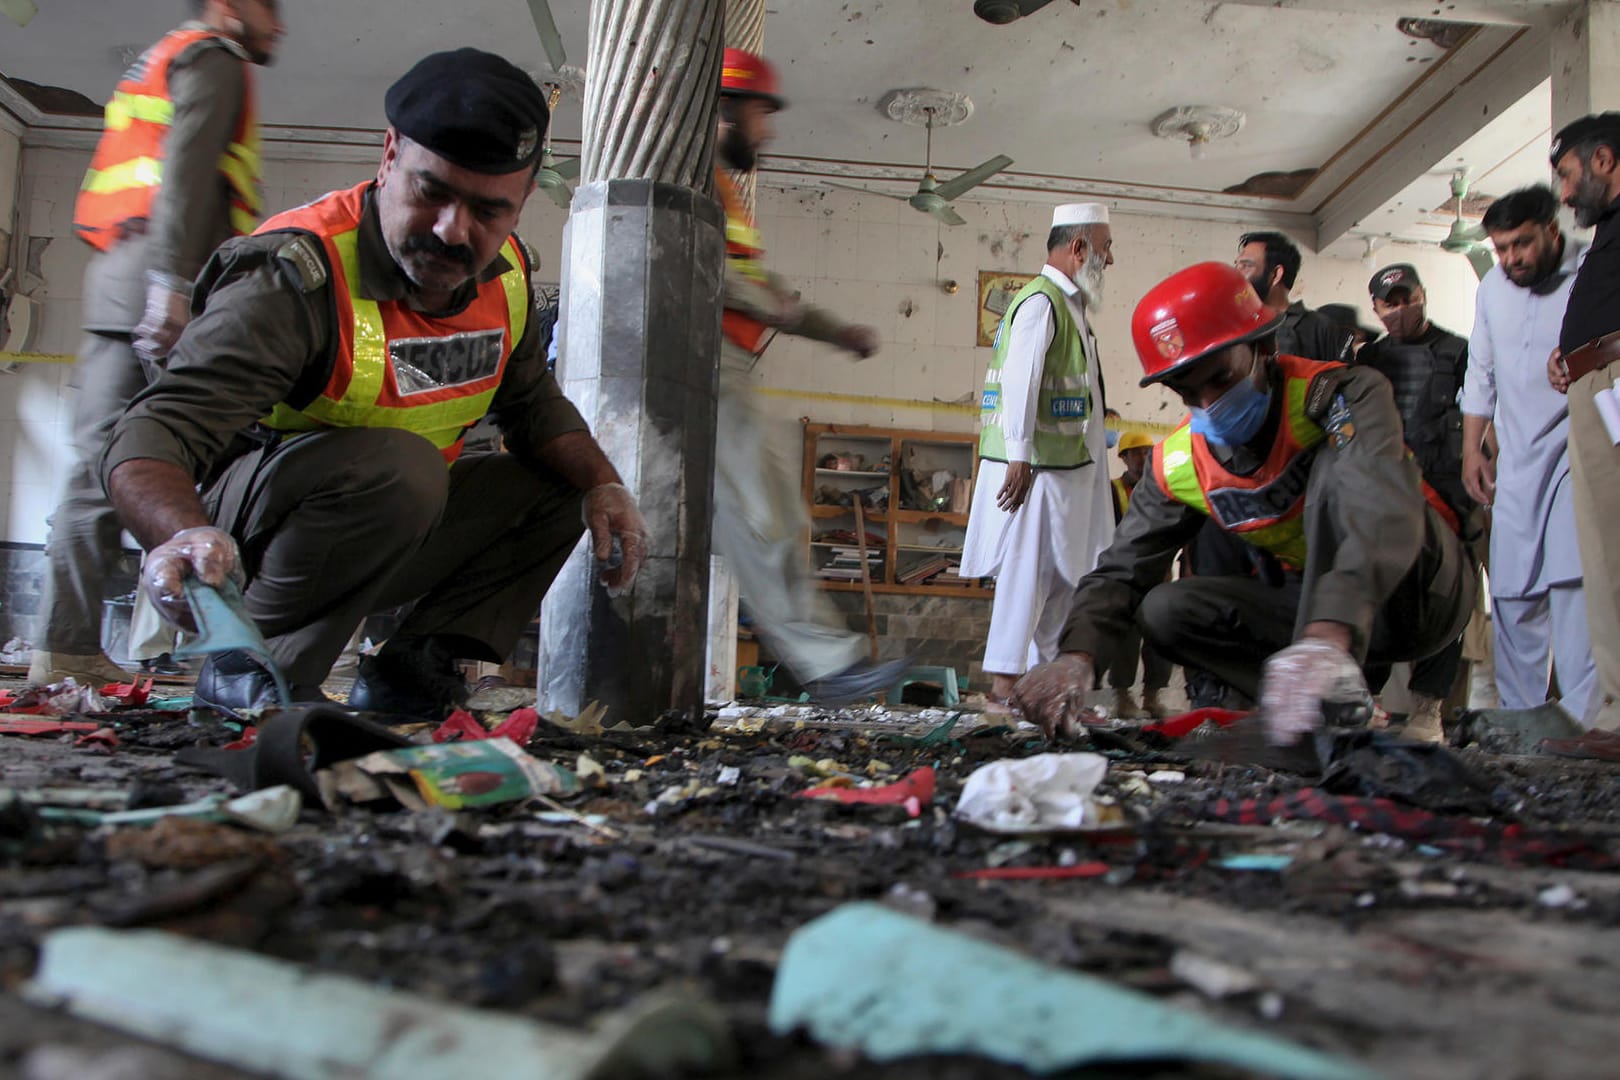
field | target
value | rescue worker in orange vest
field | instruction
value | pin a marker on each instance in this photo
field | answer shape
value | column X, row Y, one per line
column 1135, row 450
column 320, row 396
column 1300, row 458
column 175, row 173
column 759, row 519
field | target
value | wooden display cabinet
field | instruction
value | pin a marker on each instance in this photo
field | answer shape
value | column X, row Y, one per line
column 915, row 530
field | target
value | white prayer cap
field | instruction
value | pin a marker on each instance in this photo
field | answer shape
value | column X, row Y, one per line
column 1080, row 213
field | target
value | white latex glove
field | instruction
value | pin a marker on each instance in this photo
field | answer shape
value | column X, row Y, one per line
column 610, row 512
column 167, row 312
column 1298, row 679
column 206, row 553
column 1053, row 696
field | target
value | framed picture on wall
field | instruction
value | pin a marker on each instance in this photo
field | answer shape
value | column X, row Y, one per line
column 996, row 292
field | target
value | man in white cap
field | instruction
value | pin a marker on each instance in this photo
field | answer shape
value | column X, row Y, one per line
column 1040, row 513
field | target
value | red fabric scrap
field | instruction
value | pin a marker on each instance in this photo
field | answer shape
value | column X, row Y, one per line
column 1036, row 873
column 1177, row 727
column 463, row 726
column 250, row 735
column 133, row 693
column 106, row 738
column 18, row 725
column 8, row 703
column 520, row 727
column 914, row 792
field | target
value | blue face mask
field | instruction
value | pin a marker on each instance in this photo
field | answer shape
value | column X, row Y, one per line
column 1113, row 438
column 1236, row 416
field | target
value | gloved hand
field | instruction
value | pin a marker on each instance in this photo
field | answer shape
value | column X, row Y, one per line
column 610, row 512
column 1053, row 696
column 1298, row 680
column 204, row 552
column 167, row 311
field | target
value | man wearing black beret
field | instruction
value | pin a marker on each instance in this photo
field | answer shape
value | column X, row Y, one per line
column 305, row 436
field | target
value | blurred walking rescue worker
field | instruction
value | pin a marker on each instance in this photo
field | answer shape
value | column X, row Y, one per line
column 320, row 396
column 759, row 520
column 1300, row 458
column 176, row 173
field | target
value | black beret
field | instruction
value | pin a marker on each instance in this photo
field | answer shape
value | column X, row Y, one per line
column 1601, row 127
column 472, row 108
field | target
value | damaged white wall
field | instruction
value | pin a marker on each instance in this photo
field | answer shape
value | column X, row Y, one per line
column 870, row 258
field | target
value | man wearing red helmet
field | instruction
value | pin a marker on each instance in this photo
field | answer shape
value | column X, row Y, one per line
column 759, row 521
column 1300, row 458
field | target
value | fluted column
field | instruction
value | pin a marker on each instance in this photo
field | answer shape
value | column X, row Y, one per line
column 640, row 339
column 745, row 29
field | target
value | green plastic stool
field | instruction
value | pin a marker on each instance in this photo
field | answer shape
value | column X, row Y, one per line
column 945, row 676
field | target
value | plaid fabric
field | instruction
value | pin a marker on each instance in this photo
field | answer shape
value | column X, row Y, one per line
column 1511, row 843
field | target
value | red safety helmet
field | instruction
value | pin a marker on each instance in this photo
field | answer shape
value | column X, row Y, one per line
column 1194, row 312
column 742, row 74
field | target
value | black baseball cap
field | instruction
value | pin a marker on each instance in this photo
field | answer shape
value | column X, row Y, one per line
column 1390, row 278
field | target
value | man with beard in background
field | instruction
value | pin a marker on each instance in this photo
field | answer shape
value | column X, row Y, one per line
column 1041, row 506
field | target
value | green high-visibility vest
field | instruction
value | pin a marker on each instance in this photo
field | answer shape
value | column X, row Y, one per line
column 1059, row 440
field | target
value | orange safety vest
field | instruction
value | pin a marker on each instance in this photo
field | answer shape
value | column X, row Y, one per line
column 399, row 368
column 127, row 168
column 1267, row 507
column 745, row 253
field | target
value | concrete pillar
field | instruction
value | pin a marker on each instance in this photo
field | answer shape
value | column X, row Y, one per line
column 641, row 294
column 1585, row 74
column 745, row 29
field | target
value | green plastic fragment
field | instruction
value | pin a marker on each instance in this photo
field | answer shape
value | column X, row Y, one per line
column 894, row 987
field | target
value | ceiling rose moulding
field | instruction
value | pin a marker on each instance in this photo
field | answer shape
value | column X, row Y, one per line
column 918, row 106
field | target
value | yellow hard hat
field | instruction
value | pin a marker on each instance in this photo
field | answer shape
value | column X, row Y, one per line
column 1135, row 440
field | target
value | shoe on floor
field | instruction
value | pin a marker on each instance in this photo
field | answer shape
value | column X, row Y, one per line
column 1424, row 725
column 234, row 683
column 95, row 670
column 862, row 679
column 416, row 677
column 1153, row 705
column 1125, row 706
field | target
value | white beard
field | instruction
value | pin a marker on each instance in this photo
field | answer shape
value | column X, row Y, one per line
column 1090, row 282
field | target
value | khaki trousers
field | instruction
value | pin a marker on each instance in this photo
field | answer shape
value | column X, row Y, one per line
column 1594, row 470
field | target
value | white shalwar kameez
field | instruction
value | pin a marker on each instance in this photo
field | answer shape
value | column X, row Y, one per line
column 1039, row 552
column 1535, row 569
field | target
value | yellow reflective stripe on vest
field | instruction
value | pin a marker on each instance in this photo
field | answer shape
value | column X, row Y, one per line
column 124, row 109
column 134, row 173
column 1180, row 474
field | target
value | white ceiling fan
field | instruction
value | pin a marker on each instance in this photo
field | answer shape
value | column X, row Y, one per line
column 544, row 24
column 1467, row 240
column 933, row 197
column 554, row 175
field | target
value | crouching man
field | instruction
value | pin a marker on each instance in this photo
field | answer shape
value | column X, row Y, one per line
column 1301, row 459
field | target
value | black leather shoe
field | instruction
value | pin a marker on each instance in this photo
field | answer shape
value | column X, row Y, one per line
column 233, row 683
column 410, row 678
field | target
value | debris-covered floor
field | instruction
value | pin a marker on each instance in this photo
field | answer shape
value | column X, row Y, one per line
column 1475, row 938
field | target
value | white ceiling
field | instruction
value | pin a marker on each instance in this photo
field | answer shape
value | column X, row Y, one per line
column 1067, row 92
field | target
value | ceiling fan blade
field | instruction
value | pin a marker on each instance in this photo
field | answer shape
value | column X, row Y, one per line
column 946, row 214
column 550, row 38
column 1481, row 259
column 865, row 191
column 19, row 11
column 561, row 194
column 975, row 176
column 568, row 170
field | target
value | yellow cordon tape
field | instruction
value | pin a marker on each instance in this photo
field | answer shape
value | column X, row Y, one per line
column 1144, row 426
column 36, row 358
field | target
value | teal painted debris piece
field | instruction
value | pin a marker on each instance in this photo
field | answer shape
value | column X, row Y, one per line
column 223, row 624
column 894, row 987
column 277, row 1019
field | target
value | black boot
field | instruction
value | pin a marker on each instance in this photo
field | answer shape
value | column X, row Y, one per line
column 413, row 677
column 234, row 683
